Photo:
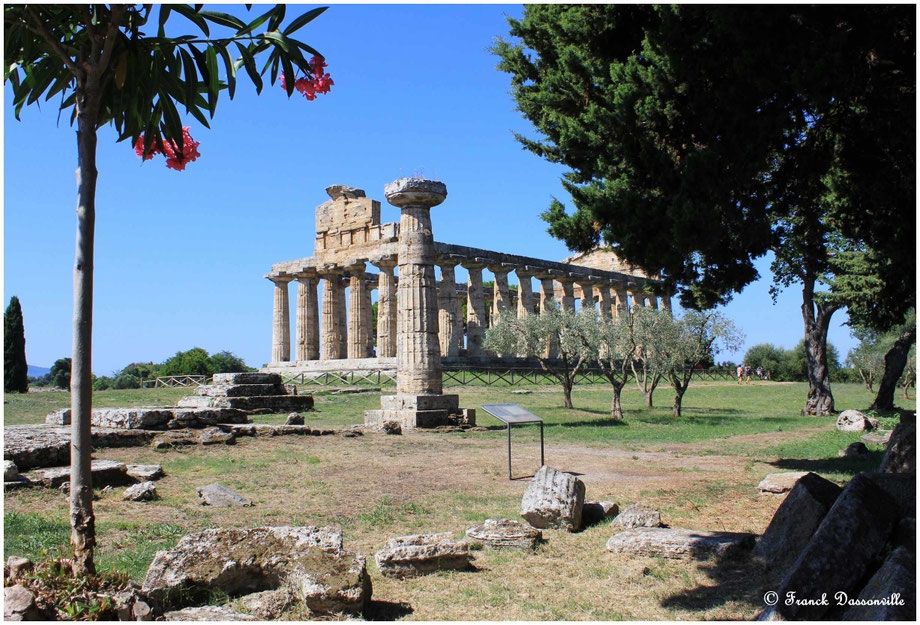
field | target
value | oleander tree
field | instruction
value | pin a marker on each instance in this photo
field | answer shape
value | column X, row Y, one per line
column 115, row 65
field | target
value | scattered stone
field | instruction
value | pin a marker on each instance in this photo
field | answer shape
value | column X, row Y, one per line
column 295, row 418
column 900, row 487
column 594, row 512
column 268, row 605
column 58, row 417
column 391, row 427
column 853, row 421
column 679, row 544
column 901, row 454
column 141, row 611
column 337, row 191
column 856, row 451
column 421, row 554
column 499, row 533
column 468, row 417
column 145, row 491
column 16, row 566
column 220, row 496
column 554, row 500
column 216, row 436
column 105, row 490
column 36, row 446
column 308, row 560
column 796, row 520
column 637, row 515
column 780, row 482
column 10, row 472
column 168, row 440
column 521, row 391
column 208, row 613
column 145, row 472
column 906, row 533
column 841, row 551
column 879, row 437
column 245, row 377
column 104, row 472
column 896, row 579
column 19, row 605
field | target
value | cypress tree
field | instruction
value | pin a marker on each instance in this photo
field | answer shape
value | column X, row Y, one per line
column 15, row 370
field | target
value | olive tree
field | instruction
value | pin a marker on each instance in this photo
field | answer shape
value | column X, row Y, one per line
column 612, row 344
column 533, row 335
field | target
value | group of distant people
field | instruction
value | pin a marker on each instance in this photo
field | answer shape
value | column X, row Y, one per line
column 744, row 371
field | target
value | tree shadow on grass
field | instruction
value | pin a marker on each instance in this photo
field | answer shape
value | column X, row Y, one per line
column 847, row 466
column 386, row 610
column 738, row 579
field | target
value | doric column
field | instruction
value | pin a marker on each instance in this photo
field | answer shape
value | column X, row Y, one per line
column 475, row 311
column 622, row 300
column 587, row 293
column 357, row 313
column 369, row 318
column 666, row 301
column 418, row 354
column 525, row 292
column 342, row 307
column 636, row 296
column 501, row 297
column 307, row 318
column 651, row 301
column 547, row 293
column 568, row 292
column 386, row 310
column 605, row 301
column 281, row 321
column 330, row 342
column 448, row 310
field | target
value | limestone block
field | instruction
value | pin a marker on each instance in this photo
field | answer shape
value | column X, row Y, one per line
column 901, row 454
column 240, row 390
column 212, row 613
column 879, row 437
column 637, row 515
column 216, row 436
column 421, row 554
column 678, row 544
column 500, row 533
column 168, row 440
column 140, row 418
column 308, row 560
column 893, row 588
column 59, row 417
column 10, row 472
column 554, row 500
column 145, row 472
column 248, row 377
column 17, row 567
column 19, row 605
column 104, row 472
column 841, row 551
column 855, row 451
column 268, row 605
column 796, row 520
column 780, row 482
column 220, row 496
column 853, row 421
column 900, row 487
column 145, row 491
column 294, row 418
column 594, row 512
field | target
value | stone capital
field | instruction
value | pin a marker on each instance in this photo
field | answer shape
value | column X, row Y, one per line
column 281, row 278
column 386, row 262
column 415, row 193
column 501, row 268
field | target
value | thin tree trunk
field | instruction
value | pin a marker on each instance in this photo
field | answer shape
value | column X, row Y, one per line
column 895, row 361
column 817, row 316
column 678, row 398
column 82, row 520
column 567, row 393
column 616, row 410
column 649, row 390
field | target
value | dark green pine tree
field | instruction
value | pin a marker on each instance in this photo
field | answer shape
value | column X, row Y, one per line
column 15, row 369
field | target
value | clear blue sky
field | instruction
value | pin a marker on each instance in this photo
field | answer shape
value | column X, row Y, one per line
column 180, row 255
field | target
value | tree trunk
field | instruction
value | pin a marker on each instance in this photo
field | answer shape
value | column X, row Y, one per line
column 817, row 318
column 895, row 361
column 616, row 411
column 82, row 520
column 567, row 392
column 648, row 393
column 678, row 398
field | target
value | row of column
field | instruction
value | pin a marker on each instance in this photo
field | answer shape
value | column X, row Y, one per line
column 329, row 333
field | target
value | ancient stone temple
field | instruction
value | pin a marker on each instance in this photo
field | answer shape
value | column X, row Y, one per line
column 419, row 322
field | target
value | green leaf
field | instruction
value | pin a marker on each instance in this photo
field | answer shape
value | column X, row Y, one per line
column 191, row 78
column 307, row 48
column 304, row 19
column 288, row 75
column 224, row 19
column 193, row 16
column 173, row 121
column 250, row 65
column 231, row 69
column 256, row 23
column 213, row 80
column 277, row 18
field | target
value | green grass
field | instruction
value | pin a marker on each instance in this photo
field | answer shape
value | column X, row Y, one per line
column 25, row 408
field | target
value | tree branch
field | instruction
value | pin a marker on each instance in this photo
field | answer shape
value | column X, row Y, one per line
column 110, row 38
column 39, row 28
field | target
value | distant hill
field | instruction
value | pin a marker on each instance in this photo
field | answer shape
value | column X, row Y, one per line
column 37, row 372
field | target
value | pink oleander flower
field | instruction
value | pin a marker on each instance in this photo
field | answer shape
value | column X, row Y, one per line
column 309, row 87
column 174, row 158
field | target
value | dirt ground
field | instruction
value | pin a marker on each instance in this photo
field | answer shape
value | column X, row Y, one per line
column 377, row 487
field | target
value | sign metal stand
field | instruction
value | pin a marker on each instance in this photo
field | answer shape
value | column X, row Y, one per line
column 512, row 413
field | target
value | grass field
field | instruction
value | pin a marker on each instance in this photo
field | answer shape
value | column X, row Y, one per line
column 700, row 470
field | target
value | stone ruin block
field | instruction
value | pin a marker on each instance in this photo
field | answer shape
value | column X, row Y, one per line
column 247, row 377
column 842, row 551
column 901, row 453
column 240, row 390
column 780, row 482
column 554, row 500
column 679, row 544
column 501, row 533
column 104, row 473
column 796, row 520
column 421, row 554
column 893, row 587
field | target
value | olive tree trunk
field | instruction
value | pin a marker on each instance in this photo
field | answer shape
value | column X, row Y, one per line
column 895, row 361
column 817, row 316
column 82, row 520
